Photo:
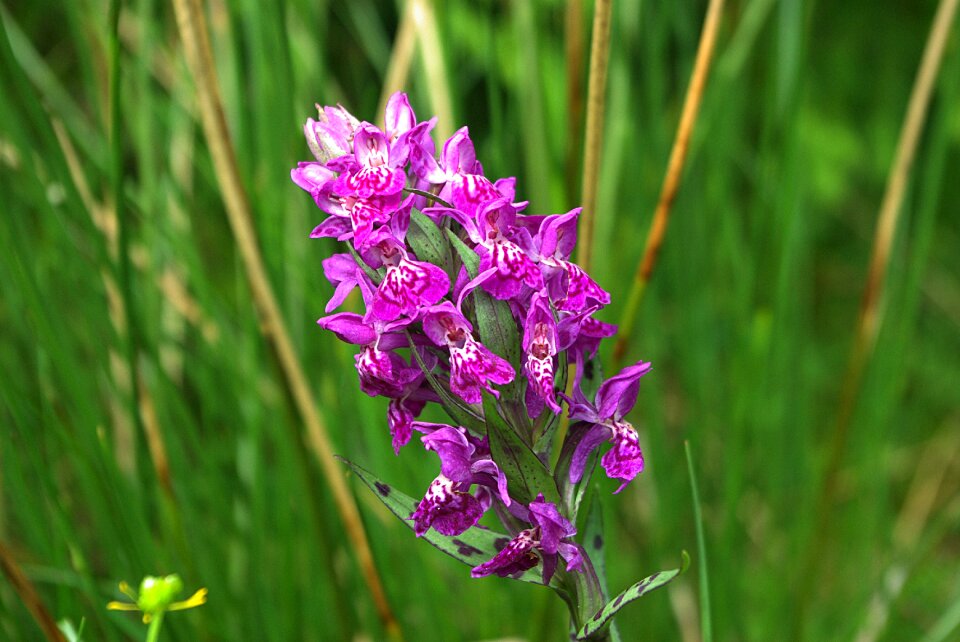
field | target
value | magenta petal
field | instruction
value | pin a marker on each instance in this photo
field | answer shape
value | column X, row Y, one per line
column 618, row 394
column 444, row 324
column 623, row 461
column 595, row 435
column 370, row 146
column 553, row 526
column 515, row 558
column 454, row 450
column 449, row 511
column 371, row 181
column 400, row 416
column 580, row 289
column 407, row 287
column 333, row 227
column 349, row 327
column 399, row 115
column 513, row 269
column 473, row 366
column 558, row 235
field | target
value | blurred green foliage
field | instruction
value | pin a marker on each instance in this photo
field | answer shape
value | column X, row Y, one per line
column 748, row 320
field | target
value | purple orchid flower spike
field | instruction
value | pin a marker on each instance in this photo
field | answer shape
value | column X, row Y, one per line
column 604, row 422
column 547, row 540
column 448, row 507
column 408, row 285
column 540, row 348
column 473, row 367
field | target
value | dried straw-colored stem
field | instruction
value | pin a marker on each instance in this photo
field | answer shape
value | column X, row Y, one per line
column 573, row 47
column 28, row 595
column 871, row 308
column 431, row 56
column 398, row 71
column 593, row 143
column 671, row 182
column 193, row 32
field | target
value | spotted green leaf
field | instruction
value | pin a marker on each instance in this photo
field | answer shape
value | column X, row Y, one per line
column 472, row 547
column 604, row 616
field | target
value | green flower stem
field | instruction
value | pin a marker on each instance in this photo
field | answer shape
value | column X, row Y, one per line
column 153, row 633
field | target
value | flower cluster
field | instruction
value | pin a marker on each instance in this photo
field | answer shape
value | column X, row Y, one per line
column 473, row 304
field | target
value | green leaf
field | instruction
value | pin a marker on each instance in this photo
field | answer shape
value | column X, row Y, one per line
column 593, row 543
column 472, row 547
column 429, row 243
column 470, row 259
column 526, row 474
column 603, row 618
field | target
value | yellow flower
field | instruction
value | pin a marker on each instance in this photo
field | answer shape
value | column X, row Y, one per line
column 156, row 596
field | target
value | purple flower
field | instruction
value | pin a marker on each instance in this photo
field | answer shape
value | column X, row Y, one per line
column 540, row 347
column 604, row 422
column 570, row 288
column 472, row 365
column 331, row 136
column 374, row 169
column 408, row 285
column 546, row 540
column 448, row 506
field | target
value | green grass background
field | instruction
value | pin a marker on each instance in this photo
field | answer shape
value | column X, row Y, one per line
column 748, row 320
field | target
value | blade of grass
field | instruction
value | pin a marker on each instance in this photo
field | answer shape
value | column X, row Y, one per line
column 194, row 35
column 28, row 595
column 573, row 48
column 671, row 182
column 706, row 621
column 401, row 58
column 871, row 308
column 593, row 143
column 435, row 70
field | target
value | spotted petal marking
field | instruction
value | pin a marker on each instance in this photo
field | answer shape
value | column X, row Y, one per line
column 473, row 366
column 623, row 461
column 448, row 510
column 580, row 288
column 514, row 268
column 408, row 286
column 515, row 558
column 469, row 192
column 371, row 181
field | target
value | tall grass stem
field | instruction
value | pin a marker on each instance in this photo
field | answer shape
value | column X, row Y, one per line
column 593, row 136
column 431, row 56
column 28, row 595
column 871, row 306
column 193, row 31
column 671, row 182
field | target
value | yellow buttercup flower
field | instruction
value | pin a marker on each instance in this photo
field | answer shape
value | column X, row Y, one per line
column 156, row 596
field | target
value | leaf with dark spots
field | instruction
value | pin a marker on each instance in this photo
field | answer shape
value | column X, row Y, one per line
column 466, row 550
column 604, row 618
column 469, row 547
